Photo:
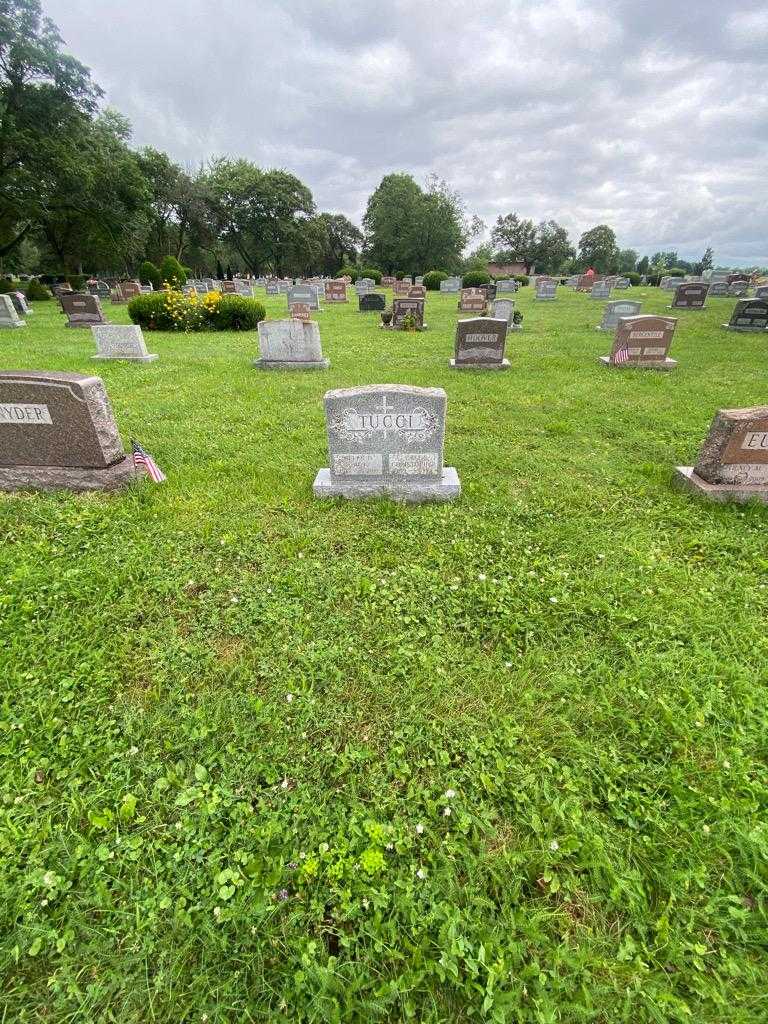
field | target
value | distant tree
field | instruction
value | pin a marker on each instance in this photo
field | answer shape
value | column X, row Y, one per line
column 643, row 264
column 552, row 247
column 180, row 216
column 626, row 261
column 172, row 272
column 344, row 241
column 257, row 212
column 515, row 240
column 706, row 262
column 219, row 270
column 478, row 259
column 597, row 248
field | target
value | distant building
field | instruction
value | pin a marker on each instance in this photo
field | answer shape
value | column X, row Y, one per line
column 507, row 269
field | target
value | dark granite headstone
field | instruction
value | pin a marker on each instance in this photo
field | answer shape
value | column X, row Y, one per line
column 479, row 344
column 690, row 296
column 57, row 431
column 371, row 302
column 749, row 315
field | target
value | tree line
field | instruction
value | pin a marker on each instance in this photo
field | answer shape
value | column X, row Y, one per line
column 74, row 196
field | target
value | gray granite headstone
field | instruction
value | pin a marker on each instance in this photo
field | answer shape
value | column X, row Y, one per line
column 83, row 310
column 387, row 440
column 749, row 315
column 57, row 431
column 451, row 284
column 616, row 309
column 546, row 290
column 738, row 288
column 506, row 284
column 601, row 290
column 121, row 341
column 622, row 283
column 761, row 292
column 272, row 288
column 19, row 300
column 9, row 318
column 479, row 344
column 733, row 461
column 718, row 290
column 642, row 341
column 371, row 301
column 290, row 345
column 306, row 294
column 504, row 309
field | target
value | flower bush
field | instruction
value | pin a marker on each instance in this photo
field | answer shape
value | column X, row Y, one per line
column 170, row 310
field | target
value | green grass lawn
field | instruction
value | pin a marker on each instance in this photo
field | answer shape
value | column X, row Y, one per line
column 268, row 758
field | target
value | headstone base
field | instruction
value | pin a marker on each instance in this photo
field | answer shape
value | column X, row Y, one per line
column 413, row 330
column 292, row 364
column 687, row 479
column 69, row 478
column 414, row 492
column 668, row 364
column 688, row 309
column 12, row 326
column 746, row 330
column 503, row 365
column 149, row 358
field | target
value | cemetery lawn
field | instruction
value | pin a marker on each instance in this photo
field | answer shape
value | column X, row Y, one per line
column 266, row 758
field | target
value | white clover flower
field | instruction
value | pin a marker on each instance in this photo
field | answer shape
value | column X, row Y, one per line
column 419, row 829
column 706, row 829
column 217, row 910
column 234, row 600
column 554, row 845
column 482, row 577
column 289, row 697
column 446, row 812
column 449, row 794
column 284, row 784
column 553, row 600
column 421, row 873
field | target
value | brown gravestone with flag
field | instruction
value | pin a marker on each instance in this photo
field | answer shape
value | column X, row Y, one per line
column 642, row 341
column 57, row 431
column 733, row 461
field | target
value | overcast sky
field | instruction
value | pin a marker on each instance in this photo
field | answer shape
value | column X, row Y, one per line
column 648, row 115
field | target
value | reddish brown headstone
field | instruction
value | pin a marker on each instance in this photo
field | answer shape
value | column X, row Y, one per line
column 472, row 300
column 733, row 461
column 335, row 291
column 642, row 341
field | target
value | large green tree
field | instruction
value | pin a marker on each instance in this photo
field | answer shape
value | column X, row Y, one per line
column 515, row 240
column 46, row 98
column 411, row 229
column 259, row 213
column 180, row 214
column 344, row 240
column 598, row 249
column 552, row 247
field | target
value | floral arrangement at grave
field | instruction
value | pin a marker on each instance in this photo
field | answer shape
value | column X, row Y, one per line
column 386, row 317
column 409, row 322
column 171, row 310
column 517, row 317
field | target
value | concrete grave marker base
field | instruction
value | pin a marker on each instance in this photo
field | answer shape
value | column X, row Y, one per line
column 688, row 479
column 291, row 364
column 413, row 492
column 12, row 326
column 666, row 364
column 150, row 357
column 413, row 330
column 503, row 365
column 746, row 330
column 67, row 478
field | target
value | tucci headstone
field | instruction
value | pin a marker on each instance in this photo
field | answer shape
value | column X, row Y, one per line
column 335, row 291
column 601, row 290
column 749, row 315
column 57, row 431
column 733, row 461
column 121, row 341
column 616, row 309
column 401, row 308
column 546, row 290
column 371, row 301
column 479, row 344
column 642, row 341
column 83, row 310
column 690, row 296
column 290, row 345
column 387, row 440
column 504, row 309
column 304, row 293
column 9, row 318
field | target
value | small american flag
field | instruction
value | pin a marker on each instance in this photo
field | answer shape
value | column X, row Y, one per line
column 145, row 460
column 621, row 355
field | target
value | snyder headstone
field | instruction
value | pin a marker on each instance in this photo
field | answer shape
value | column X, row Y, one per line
column 733, row 461
column 304, row 293
column 616, row 309
column 689, row 296
column 749, row 315
column 401, row 308
column 642, row 341
column 472, row 300
column 290, row 345
column 335, row 291
column 387, row 440
column 601, row 290
column 121, row 341
column 371, row 301
column 9, row 318
column 83, row 310
column 57, row 431
column 479, row 344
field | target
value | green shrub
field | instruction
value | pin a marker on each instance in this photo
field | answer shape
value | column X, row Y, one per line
column 522, row 280
column 371, row 272
column 7, row 285
column 37, row 292
column 151, row 312
column 352, row 272
column 475, row 278
column 633, row 277
column 172, row 272
column 433, row 278
column 150, row 274
column 237, row 313
column 675, row 272
column 77, row 281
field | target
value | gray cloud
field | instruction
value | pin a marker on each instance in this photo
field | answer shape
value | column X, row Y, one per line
column 652, row 116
